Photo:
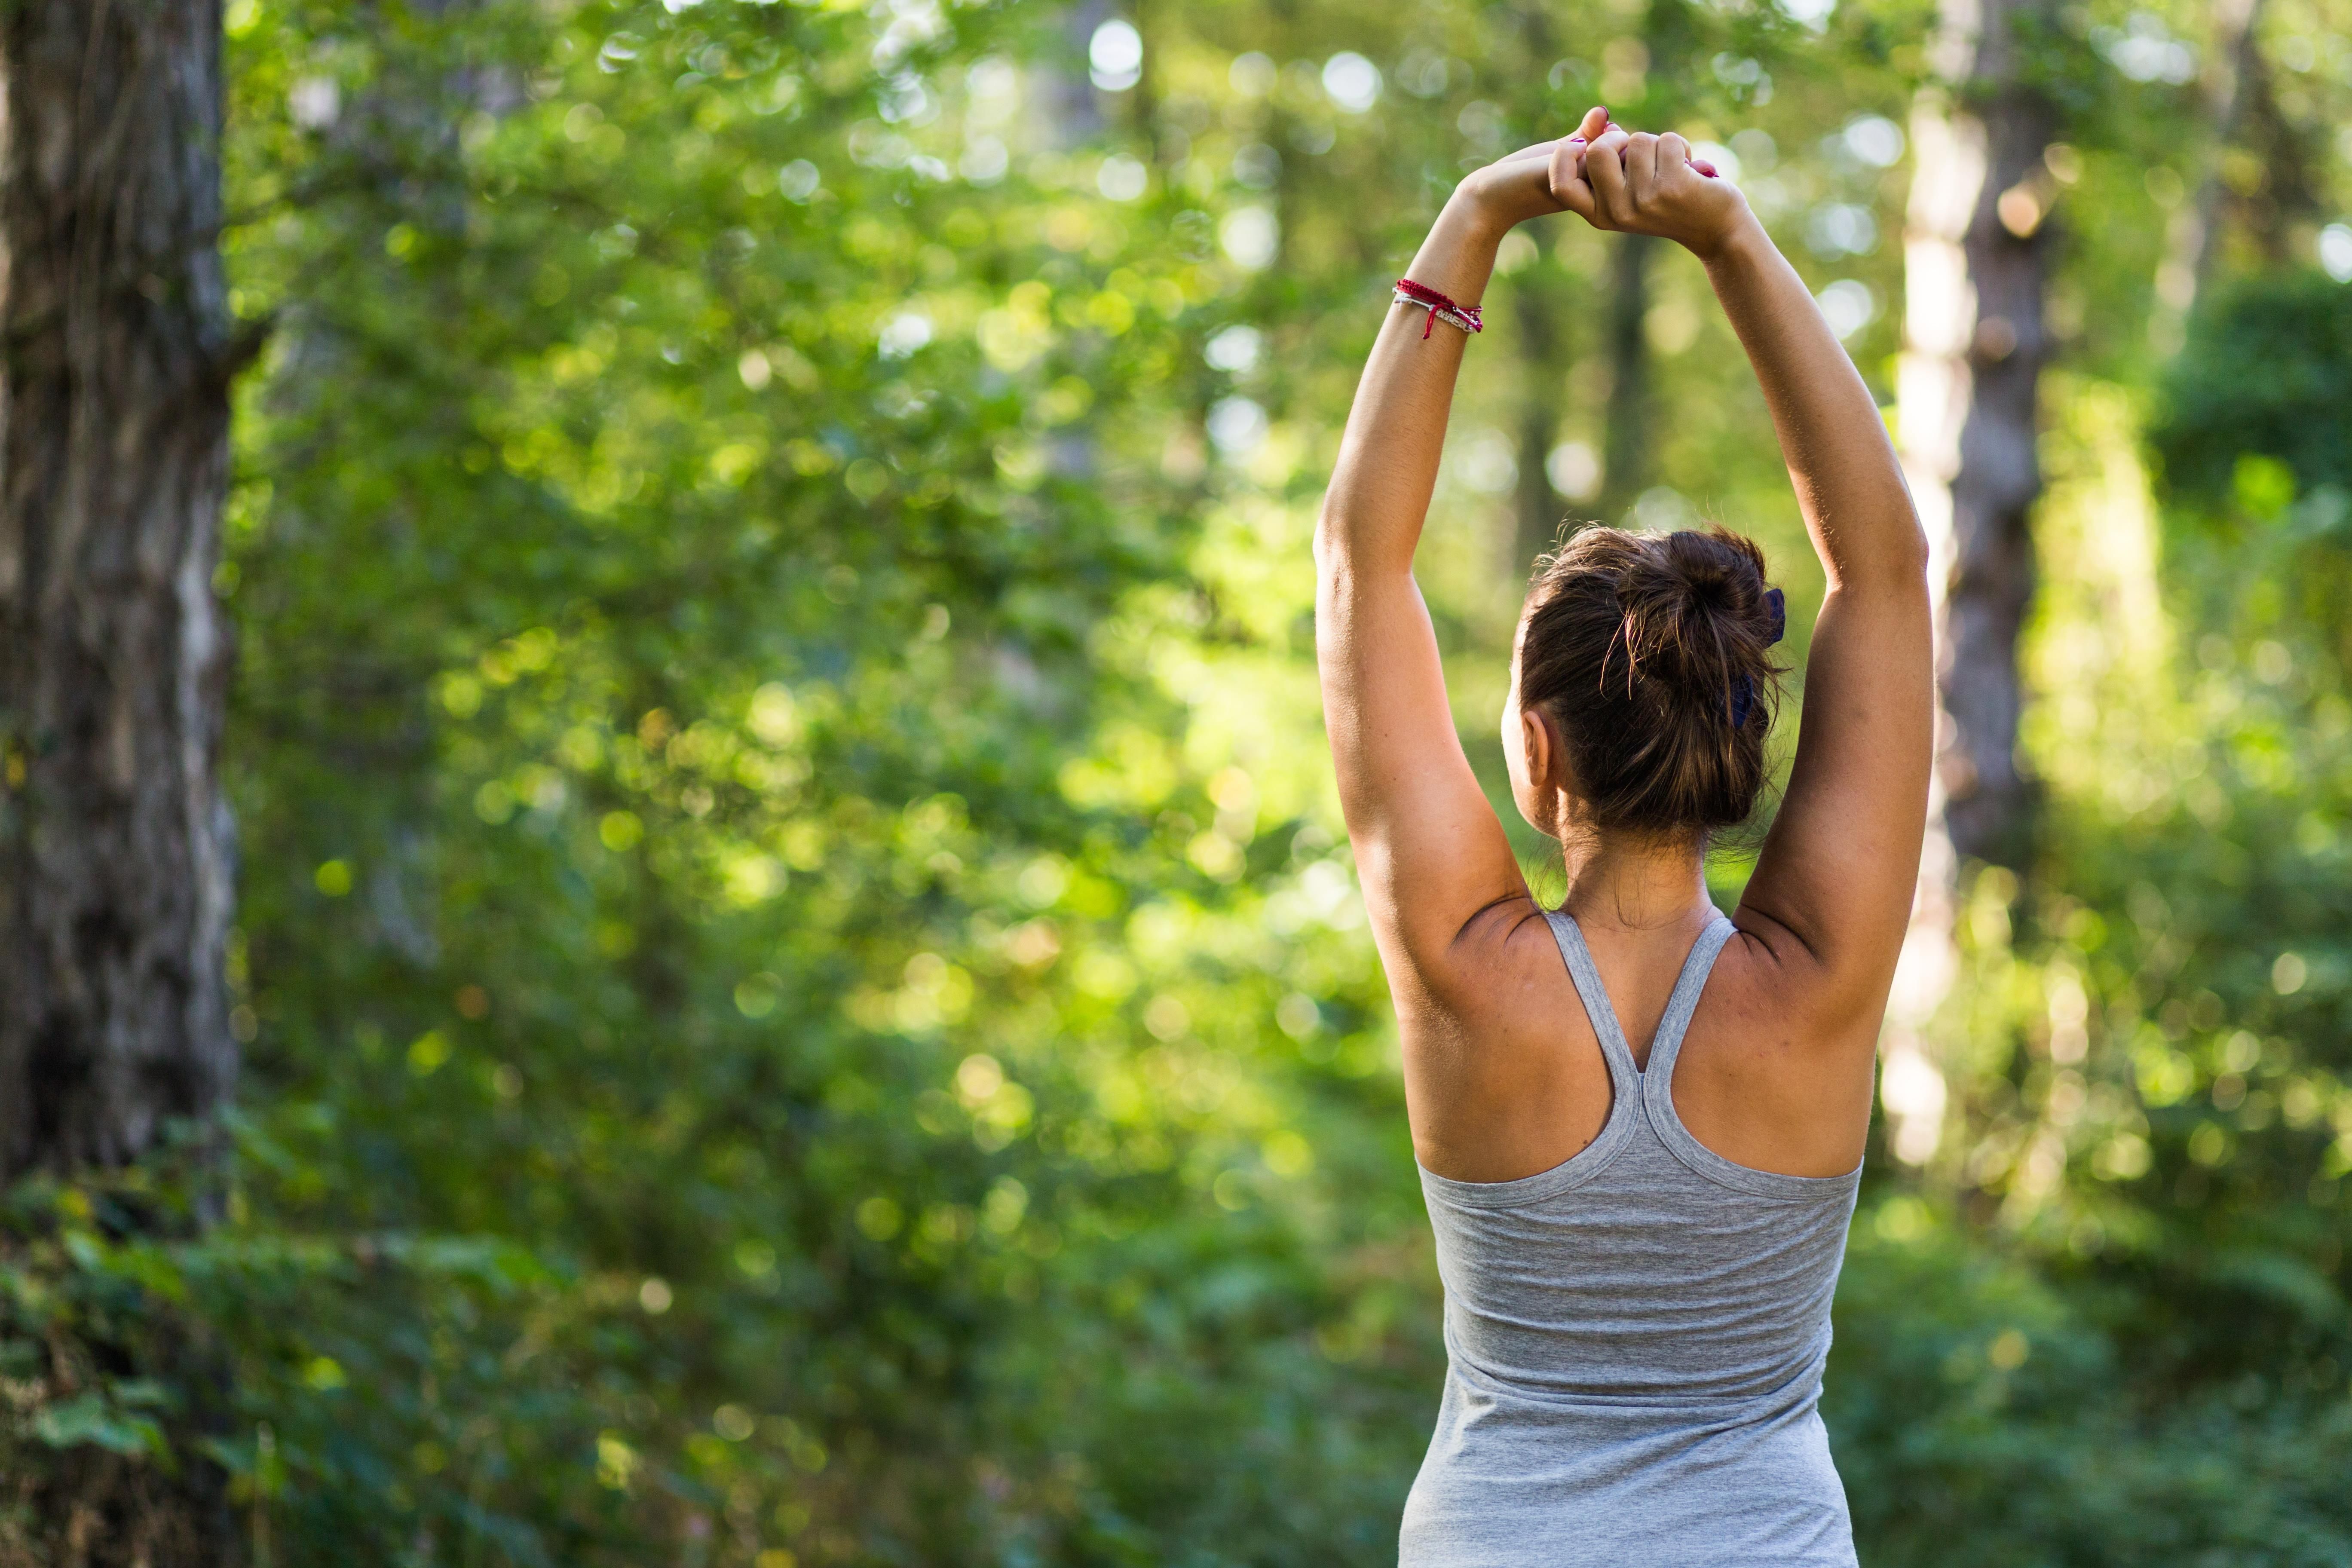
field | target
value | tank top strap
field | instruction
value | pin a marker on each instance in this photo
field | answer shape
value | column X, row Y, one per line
column 1684, row 1001
column 1595, row 996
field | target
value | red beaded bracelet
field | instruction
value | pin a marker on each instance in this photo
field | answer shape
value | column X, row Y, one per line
column 1440, row 308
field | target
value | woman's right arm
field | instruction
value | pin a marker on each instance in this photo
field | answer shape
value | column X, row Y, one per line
column 1832, row 893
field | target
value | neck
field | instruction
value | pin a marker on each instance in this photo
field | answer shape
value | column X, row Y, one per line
column 1635, row 884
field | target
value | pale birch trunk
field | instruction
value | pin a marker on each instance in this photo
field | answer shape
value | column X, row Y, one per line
column 1932, row 394
column 1977, row 254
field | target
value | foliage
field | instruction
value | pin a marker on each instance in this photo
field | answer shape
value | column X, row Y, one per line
column 729, row 843
column 805, row 1002
column 1981, row 1416
column 2267, row 374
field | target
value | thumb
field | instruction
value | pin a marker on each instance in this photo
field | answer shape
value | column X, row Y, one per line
column 1568, row 186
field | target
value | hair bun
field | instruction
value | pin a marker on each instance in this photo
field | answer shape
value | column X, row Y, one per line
column 1653, row 652
column 1697, row 614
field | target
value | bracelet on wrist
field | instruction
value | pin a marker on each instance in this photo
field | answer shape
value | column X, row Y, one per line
column 1441, row 308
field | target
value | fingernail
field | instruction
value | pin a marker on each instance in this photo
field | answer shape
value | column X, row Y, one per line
column 1576, row 139
column 1604, row 112
column 1704, row 167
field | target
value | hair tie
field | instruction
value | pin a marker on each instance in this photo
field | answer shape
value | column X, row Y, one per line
column 1743, row 691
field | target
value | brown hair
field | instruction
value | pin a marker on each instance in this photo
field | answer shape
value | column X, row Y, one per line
column 1653, row 655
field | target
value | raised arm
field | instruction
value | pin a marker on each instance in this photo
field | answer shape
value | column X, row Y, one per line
column 1415, row 813
column 1832, row 894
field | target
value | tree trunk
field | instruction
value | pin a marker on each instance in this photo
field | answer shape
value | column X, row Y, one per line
column 1628, row 431
column 1977, row 253
column 1543, row 376
column 2009, row 245
column 115, row 844
column 113, row 463
column 1978, row 262
column 1535, row 322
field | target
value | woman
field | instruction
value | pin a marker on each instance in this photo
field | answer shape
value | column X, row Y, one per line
column 1639, row 1201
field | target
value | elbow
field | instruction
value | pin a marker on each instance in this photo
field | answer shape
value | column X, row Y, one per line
column 1908, row 561
column 1896, row 561
column 1356, row 541
column 1907, row 555
column 1347, row 544
column 1333, row 543
column 1911, row 554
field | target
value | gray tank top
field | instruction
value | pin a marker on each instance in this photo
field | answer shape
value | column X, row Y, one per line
column 1634, row 1341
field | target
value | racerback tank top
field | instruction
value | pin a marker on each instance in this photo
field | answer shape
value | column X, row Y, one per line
column 1634, row 1341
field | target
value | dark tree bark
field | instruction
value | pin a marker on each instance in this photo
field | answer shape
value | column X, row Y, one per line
column 1668, row 35
column 1541, row 514
column 115, row 846
column 1535, row 322
column 114, row 839
column 2009, row 248
column 1627, row 432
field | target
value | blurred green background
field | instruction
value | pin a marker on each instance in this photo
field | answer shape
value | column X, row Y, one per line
column 804, row 993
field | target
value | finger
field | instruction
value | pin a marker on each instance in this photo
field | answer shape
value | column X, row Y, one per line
column 1566, row 178
column 1568, row 160
column 1642, row 165
column 1595, row 121
column 1570, row 157
column 1615, row 199
column 1578, row 193
column 1613, row 203
column 1675, row 152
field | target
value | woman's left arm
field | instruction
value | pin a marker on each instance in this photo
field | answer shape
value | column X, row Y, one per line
column 1429, row 851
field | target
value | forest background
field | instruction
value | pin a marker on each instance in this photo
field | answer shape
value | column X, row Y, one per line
column 802, row 990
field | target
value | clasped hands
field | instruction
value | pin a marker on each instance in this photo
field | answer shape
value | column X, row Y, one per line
column 1612, row 178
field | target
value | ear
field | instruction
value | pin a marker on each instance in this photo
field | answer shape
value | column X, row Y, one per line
column 1539, row 745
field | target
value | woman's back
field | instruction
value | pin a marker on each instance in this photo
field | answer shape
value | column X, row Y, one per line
column 1635, row 1339
column 1636, row 1323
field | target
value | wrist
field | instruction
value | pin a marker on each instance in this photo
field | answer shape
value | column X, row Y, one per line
column 1740, row 244
column 1458, row 256
column 1472, row 217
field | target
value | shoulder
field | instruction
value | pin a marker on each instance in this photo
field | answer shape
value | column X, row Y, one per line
column 1502, row 1074
column 1771, row 983
column 1501, row 944
column 1497, row 978
column 1777, row 1070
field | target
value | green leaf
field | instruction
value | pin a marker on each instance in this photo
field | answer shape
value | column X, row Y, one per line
column 91, row 1418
